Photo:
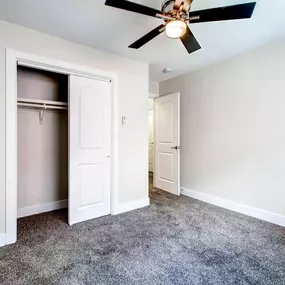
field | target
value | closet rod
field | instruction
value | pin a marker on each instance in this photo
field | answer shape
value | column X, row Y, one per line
column 42, row 106
column 40, row 101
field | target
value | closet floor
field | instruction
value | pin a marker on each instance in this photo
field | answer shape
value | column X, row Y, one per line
column 176, row 240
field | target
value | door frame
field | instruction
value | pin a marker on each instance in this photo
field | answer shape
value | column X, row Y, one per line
column 13, row 59
column 153, row 96
column 151, row 110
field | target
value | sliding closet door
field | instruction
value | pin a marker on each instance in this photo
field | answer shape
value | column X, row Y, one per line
column 89, row 148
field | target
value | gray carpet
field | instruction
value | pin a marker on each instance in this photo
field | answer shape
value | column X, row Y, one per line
column 174, row 241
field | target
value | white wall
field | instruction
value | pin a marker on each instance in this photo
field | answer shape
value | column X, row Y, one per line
column 233, row 128
column 133, row 103
column 154, row 87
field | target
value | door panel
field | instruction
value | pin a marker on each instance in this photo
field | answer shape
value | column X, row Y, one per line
column 166, row 162
column 91, row 177
column 89, row 148
column 91, row 120
column 165, row 132
column 167, row 138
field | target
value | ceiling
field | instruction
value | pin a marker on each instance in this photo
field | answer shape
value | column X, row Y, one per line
column 91, row 23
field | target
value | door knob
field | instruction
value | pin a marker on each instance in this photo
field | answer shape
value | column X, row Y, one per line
column 175, row 147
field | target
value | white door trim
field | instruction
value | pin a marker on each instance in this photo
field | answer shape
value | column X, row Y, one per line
column 153, row 95
column 12, row 59
column 151, row 143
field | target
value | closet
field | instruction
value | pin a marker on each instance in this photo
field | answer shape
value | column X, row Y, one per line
column 63, row 133
column 42, row 141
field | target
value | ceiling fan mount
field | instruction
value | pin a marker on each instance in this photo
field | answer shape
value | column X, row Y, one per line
column 176, row 9
column 177, row 15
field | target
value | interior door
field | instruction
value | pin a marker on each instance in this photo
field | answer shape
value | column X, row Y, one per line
column 167, row 143
column 89, row 148
column 150, row 140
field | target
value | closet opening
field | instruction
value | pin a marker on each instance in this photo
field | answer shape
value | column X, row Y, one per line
column 42, row 142
column 61, row 144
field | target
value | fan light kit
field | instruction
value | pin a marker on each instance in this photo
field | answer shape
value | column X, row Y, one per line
column 177, row 14
column 175, row 29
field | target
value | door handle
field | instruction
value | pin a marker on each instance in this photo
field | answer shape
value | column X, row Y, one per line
column 175, row 147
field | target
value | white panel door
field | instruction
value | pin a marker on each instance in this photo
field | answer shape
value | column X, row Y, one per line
column 167, row 143
column 150, row 140
column 89, row 148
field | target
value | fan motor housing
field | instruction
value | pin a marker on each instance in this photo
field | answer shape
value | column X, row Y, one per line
column 169, row 5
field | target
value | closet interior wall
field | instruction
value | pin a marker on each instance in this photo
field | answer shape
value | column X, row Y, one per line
column 42, row 148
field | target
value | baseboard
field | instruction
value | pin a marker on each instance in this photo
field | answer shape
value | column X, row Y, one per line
column 2, row 240
column 37, row 209
column 126, row 207
column 236, row 207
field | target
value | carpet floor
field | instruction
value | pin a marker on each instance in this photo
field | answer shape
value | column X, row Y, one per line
column 176, row 240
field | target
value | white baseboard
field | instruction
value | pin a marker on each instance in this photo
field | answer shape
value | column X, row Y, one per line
column 126, row 207
column 240, row 208
column 2, row 240
column 37, row 209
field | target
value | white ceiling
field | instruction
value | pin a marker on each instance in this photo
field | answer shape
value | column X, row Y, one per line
column 91, row 23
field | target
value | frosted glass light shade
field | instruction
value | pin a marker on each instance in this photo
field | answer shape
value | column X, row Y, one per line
column 175, row 29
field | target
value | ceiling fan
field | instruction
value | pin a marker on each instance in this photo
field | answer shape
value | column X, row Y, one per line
column 177, row 15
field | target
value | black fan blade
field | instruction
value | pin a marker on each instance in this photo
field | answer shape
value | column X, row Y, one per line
column 133, row 7
column 148, row 37
column 190, row 42
column 241, row 11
